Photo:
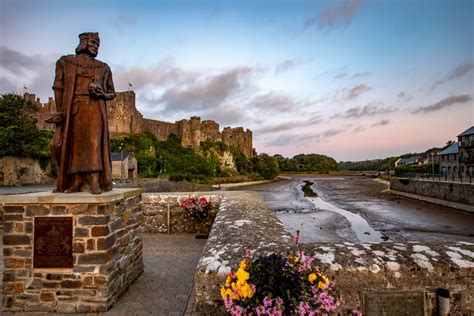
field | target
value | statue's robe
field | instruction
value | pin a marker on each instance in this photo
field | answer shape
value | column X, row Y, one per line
column 81, row 141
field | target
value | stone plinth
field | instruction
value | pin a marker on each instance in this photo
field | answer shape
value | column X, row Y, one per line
column 106, row 250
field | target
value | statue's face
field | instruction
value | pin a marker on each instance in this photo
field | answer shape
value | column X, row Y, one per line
column 93, row 46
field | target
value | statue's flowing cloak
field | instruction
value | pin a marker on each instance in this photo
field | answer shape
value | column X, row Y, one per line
column 64, row 85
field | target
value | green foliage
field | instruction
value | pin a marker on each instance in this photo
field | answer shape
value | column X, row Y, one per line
column 19, row 135
column 242, row 164
column 266, row 166
column 403, row 170
column 376, row 164
column 307, row 163
column 159, row 157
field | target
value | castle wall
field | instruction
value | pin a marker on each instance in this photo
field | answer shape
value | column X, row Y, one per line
column 160, row 129
column 124, row 118
column 123, row 115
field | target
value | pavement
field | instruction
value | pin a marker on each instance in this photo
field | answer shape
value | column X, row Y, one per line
column 167, row 285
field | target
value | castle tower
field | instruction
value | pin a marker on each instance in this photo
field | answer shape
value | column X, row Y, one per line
column 195, row 126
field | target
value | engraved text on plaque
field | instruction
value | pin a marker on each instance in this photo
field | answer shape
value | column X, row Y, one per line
column 53, row 242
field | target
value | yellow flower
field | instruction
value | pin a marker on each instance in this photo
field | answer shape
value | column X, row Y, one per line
column 246, row 291
column 296, row 259
column 312, row 277
column 323, row 282
column 225, row 293
column 243, row 264
column 242, row 276
column 227, row 281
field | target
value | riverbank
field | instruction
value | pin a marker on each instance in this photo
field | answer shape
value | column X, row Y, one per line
column 397, row 218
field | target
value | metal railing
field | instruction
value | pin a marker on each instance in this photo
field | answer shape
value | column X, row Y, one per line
column 440, row 177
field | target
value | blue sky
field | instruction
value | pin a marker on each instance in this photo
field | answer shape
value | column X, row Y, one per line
column 351, row 79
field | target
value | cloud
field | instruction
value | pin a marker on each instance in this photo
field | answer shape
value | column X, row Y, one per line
column 18, row 69
column 289, row 125
column 446, row 102
column 291, row 139
column 381, row 123
column 335, row 131
column 16, row 62
column 359, row 129
column 205, row 93
column 404, row 97
column 368, row 110
column 164, row 73
column 357, row 91
column 225, row 115
column 458, row 72
column 285, row 66
column 333, row 16
column 274, row 101
column 357, row 75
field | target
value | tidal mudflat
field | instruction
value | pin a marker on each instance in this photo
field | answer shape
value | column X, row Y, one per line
column 356, row 209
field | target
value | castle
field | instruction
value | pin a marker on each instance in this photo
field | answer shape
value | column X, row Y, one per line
column 124, row 118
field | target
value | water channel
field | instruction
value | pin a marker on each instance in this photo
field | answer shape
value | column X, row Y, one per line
column 356, row 209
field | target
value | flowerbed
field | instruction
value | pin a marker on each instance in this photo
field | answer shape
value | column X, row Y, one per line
column 196, row 207
column 278, row 285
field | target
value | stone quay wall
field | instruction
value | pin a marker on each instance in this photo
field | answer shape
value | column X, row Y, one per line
column 459, row 193
column 359, row 269
column 106, row 254
column 162, row 213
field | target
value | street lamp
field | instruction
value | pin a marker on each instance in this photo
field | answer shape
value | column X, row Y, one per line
column 121, row 162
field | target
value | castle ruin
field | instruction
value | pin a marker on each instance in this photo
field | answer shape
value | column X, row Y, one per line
column 124, row 118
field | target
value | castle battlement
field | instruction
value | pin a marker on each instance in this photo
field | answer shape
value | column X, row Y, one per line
column 124, row 118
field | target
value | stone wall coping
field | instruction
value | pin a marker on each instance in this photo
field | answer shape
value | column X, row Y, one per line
column 70, row 198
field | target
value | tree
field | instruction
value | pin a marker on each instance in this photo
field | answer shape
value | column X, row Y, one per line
column 266, row 166
column 19, row 135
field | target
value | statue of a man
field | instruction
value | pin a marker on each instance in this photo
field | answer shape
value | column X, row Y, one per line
column 81, row 141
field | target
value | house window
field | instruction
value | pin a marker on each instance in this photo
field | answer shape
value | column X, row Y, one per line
column 449, row 169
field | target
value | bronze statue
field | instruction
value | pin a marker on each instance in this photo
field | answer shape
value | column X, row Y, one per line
column 81, row 141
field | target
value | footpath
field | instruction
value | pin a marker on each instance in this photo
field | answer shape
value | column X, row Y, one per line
column 167, row 285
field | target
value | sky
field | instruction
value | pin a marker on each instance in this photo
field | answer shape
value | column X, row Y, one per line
column 352, row 79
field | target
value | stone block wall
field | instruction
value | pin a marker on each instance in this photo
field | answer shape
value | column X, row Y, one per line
column 17, row 171
column 462, row 193
column 107, row 251
column 162, row 213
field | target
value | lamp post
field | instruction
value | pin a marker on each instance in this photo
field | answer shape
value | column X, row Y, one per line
column 121, row 163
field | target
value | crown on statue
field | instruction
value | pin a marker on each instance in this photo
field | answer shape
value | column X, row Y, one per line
column 89, row 35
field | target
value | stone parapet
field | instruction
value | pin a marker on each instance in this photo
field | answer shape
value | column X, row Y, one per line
column 162, row 213
column 381, row 273
column 106, row 251
column 456, row 192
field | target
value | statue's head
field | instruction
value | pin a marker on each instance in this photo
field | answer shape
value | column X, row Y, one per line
column 88, row 44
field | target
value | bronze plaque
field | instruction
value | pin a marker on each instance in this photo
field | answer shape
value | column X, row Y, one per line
column 394, row 303
column 53, row 242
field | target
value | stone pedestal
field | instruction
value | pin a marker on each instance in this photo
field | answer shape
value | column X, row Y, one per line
column 70, row 253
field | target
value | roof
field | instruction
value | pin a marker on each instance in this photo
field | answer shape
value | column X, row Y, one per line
column 453, row 149
column 469, row 131
column 116, row 156
column 411, row 159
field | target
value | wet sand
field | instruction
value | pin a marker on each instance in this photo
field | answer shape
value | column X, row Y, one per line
column 395, row 218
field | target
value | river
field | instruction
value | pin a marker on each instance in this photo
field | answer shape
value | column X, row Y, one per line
column 356, row 209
